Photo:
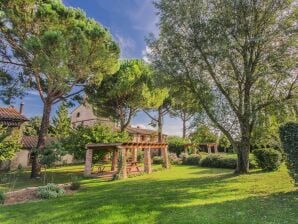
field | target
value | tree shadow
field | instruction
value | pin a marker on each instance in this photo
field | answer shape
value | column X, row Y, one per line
column 205, row 199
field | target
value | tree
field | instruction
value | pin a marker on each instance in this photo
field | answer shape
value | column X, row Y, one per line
column 158, row 120
column 123, row 94
column 185, row 107
column 61, row 122
column 78, row 138
column 32, row 127
column 265, row 133
column 236, row 57
column 58, row 49
column 9, row 143
column 203, row 134
column 10, row 86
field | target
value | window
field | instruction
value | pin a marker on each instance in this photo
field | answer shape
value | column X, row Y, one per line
column 78, row 114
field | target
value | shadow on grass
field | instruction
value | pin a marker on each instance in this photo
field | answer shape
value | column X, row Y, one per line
column 207, row 199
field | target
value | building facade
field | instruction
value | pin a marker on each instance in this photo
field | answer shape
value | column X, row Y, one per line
column 84, row 115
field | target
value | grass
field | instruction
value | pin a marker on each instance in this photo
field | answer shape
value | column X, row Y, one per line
column 183, row 194
column 56, row 175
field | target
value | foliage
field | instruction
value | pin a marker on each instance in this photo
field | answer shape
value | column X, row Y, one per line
column 268, row 159
column 266, row 132
column 2, row 197
column 219, row 161
column 224, row 142
column 49, row 191
column 174, row 159
column 203, row 134
column 32, row 127
column 61, row 122
column 75, row 183
column 177, row 144
column 184, row 106
column 9, row 143
column 289, row 137
column 224, row 161
column 229, row 54
column 121, row 95
column 51, row 154
column 78, row 138
column 10, row 86
column 193, row 159
column 157, row 160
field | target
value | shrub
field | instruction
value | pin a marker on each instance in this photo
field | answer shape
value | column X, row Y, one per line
column 268, row 159
column 2, row 198
column 49, row 191
column 75, row 183
column 228, row 161
column 174, row 159
column 157, row 160
column 289, row 137
column 177, row 144
column 219, row 161
column 193, row 159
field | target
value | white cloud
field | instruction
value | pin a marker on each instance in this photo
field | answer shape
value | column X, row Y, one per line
column 145, row 17
column 127, row 45
column 145, row 54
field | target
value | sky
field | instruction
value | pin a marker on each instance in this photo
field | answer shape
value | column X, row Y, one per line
column 129, row 22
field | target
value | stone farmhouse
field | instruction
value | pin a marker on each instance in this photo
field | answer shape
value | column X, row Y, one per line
column 12, row 118
column 84, row 115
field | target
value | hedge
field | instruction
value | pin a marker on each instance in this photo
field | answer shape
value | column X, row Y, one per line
column 289, row 137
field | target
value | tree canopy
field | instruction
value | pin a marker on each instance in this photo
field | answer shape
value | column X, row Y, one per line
column 58, row 49
column 123, row 94
column 236, row 57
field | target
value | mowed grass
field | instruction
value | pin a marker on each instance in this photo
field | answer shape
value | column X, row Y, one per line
column 14, row 180
column 183, row 194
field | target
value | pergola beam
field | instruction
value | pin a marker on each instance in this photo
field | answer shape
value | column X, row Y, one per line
column 120, row 149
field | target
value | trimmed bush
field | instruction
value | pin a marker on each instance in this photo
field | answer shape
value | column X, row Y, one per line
column 2, row 198
column 157, row 160
column 219, row 161
column 268, row 159
column 289, row 137
column 174, row 159
column 49, row 191
column 193, row 159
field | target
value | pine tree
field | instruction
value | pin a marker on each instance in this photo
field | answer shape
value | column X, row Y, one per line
column 61, row 122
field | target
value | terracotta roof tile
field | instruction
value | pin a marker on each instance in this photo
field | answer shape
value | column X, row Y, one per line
column 11, row 117
column 30, row 142
column 141, row 131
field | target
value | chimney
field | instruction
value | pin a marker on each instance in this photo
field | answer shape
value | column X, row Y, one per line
column 21, row 107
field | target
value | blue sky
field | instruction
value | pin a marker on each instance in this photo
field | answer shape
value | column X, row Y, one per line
column 130, row 22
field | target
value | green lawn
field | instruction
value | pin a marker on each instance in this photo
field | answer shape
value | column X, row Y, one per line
column 183, row 194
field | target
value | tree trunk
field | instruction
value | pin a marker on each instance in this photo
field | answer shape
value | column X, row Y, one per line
column 45, row 123
column 184, row 128
column 159, row 125
column 243, row 149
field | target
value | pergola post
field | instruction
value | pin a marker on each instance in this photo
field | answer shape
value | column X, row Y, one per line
column 134, row 155
column 88, row 163
column 147, row 161
column 215, row 148
column 115, row 160
column 165, row 157
column 122, row 166
column 209, row 149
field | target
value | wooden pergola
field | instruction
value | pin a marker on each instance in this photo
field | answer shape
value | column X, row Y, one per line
column 119, row 164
